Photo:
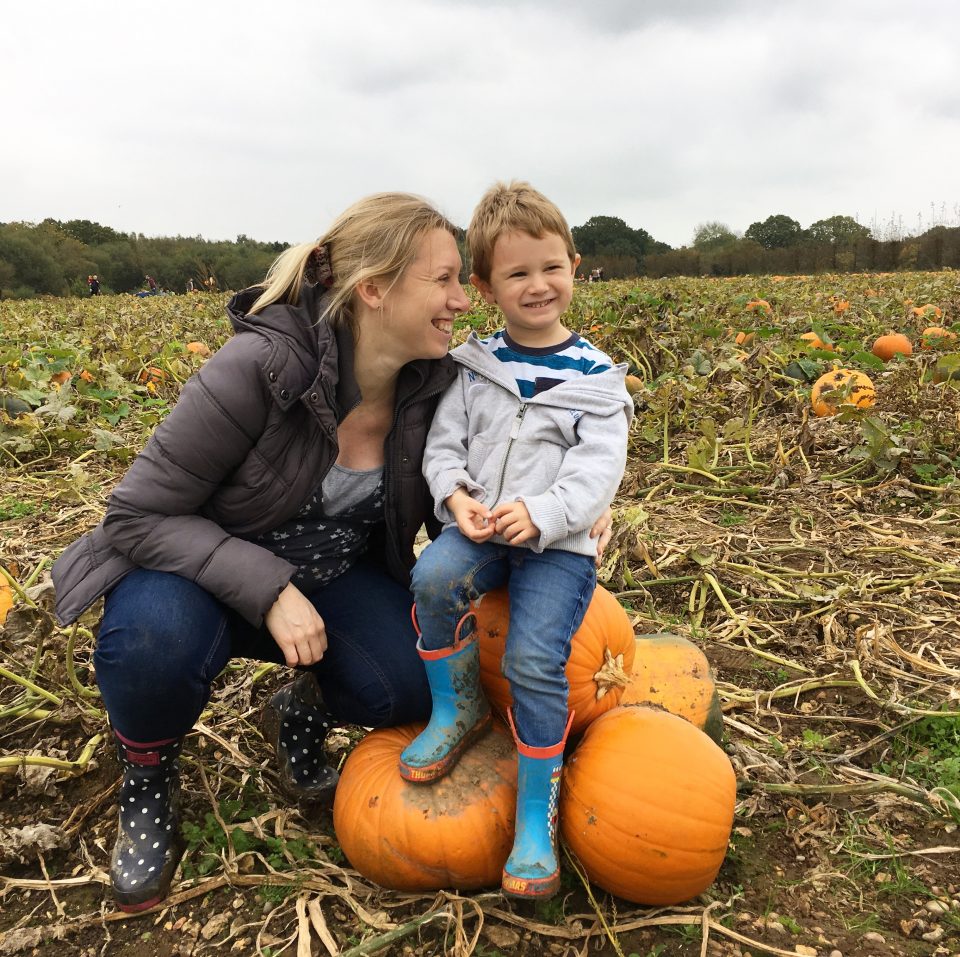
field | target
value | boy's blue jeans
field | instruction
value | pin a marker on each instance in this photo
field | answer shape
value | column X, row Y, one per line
column 164, row 639
column 549, row 594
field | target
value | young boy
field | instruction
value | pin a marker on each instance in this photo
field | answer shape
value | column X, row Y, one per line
column 525, row 452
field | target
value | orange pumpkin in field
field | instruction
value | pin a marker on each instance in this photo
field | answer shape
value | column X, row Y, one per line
column 813, row 341
column 936, row 337
column 892, row 344
column 454, row 833
column 744, row 338
column 841, row 388
column 600, row 662
column 647, row 805
column 673, row 673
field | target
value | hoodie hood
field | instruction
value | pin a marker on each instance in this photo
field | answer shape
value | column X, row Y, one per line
column 602, row 394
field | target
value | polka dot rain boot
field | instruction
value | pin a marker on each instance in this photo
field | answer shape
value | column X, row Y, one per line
column 295, row 722
column 149, row 844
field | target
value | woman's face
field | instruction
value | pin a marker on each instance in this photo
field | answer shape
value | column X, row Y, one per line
column 419, row 311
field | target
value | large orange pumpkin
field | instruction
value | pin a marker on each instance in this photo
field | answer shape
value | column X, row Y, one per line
column 454, row 833
column 647, row 805
column 601, row 655
column 674, row 673
column 892, row 344
column 841, row 388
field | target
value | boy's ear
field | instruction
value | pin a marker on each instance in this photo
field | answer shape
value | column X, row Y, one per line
column 486, row 290
column 576, row 262
column 371, row 293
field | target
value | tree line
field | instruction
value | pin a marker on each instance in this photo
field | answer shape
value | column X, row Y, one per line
column 780, row 246
column 57, row 258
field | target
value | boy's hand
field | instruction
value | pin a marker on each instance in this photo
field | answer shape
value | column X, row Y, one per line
column 473, row 517
column 513, row 522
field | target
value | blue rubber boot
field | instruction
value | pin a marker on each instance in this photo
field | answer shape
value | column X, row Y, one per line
column 532, row 870
column 149, row 845
column 461, row 713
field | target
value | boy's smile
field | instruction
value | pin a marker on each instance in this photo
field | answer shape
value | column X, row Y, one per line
column 531, row 280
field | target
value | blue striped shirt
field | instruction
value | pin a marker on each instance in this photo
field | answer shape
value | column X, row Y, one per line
column 537, row 370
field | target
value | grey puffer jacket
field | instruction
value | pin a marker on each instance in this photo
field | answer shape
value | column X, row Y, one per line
column 251, row 437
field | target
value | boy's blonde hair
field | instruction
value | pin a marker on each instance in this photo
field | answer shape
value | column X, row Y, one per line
column 512, row 207
column 376, row 238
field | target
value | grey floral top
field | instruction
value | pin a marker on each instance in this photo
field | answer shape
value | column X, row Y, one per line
column 330, row 533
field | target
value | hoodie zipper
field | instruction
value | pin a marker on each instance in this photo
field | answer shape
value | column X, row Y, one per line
column 514, row 433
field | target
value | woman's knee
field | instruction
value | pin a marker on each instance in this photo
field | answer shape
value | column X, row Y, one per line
column 153, row 624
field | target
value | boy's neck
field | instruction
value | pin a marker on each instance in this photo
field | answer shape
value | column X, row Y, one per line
column 538, row 338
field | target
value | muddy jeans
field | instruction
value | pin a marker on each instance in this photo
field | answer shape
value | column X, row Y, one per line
column 549, row 594
column 164, row 639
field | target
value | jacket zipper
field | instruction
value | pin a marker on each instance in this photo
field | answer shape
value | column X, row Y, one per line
column 514, row 433
column 389, row 491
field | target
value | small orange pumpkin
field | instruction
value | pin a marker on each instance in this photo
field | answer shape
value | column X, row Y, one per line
column 454, row 833
column 759, row 305
column 744, row 338
column 674, row 673
column 813, row 341
column 936, row 337
column 151, row 374
column 841, row 388
column 647, row 805
column 892, row 344
column 601, row 655
column 634, row 384
column 60, row 377
column 198, row 348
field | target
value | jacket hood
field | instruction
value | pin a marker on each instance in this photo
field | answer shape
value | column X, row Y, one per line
column 602, row 394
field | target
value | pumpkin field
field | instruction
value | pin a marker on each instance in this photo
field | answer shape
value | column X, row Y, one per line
column 786, row 554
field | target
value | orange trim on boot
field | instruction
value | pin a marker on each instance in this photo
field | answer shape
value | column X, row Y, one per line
column 550, row 751
column 435, row 654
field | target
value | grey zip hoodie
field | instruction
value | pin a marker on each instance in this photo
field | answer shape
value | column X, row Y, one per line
column 561, row 453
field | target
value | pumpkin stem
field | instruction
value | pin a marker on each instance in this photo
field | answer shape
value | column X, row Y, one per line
column 611, row 674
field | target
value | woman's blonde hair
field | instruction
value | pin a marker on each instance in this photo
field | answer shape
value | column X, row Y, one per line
column 376, row 238
column 512, row 207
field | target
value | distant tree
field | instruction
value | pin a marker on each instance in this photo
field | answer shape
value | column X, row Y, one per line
column 837, row 230
column 713, row 234
column 603, row 238
column 775, row 232
column 92, row 234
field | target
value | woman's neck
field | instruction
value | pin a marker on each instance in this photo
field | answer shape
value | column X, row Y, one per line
column 375, row 373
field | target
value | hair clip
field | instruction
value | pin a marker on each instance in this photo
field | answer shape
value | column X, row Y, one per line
column 319, row 271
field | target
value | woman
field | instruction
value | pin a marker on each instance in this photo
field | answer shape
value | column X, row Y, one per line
column 272, row 515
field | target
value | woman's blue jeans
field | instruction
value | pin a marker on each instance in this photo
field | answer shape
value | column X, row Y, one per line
column 164, row 640
column 549, row 594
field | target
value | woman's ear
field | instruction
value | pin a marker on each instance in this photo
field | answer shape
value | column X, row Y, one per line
column 371, row 293
column 485, row 289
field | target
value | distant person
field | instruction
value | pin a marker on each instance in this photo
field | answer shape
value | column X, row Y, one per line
column 210, row 283
column 151, row 284
column 190, row 285
column 94, row 285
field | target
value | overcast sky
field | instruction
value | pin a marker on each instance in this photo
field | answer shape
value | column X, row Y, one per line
column 217, row 118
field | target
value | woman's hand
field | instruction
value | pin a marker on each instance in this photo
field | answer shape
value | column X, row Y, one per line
column 602, row 527
column 297, row 628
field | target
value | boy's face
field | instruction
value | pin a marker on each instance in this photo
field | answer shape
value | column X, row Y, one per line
column 531, row 280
